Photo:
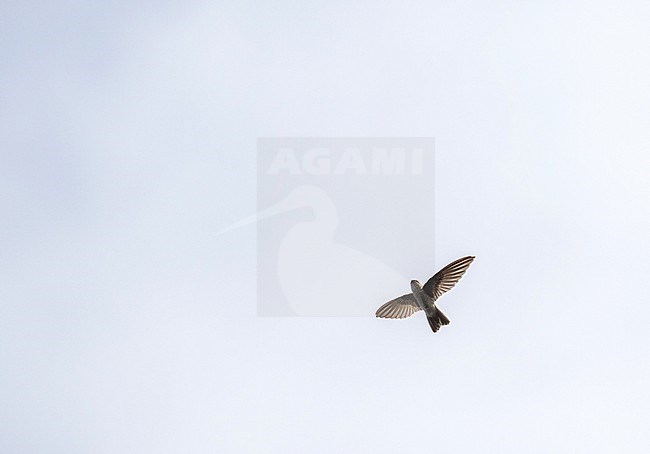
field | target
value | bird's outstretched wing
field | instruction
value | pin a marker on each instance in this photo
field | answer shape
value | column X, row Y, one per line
column 445, row 279
column 401, row 307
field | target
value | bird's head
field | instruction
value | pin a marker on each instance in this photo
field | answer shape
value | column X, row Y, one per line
column 415, row 285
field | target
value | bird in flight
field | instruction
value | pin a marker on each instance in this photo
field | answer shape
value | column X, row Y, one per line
column 424, row 298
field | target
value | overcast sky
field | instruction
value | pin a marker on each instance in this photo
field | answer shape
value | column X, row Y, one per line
column 128, row 140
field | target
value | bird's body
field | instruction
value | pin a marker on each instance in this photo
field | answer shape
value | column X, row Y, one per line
column 428, row 304
column 424, row 298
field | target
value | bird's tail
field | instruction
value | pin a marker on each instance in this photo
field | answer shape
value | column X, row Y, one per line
column 437, row 320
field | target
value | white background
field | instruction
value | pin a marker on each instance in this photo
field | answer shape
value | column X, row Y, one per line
column 128, row 134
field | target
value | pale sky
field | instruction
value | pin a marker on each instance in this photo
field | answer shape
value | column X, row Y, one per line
column 128, row 139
